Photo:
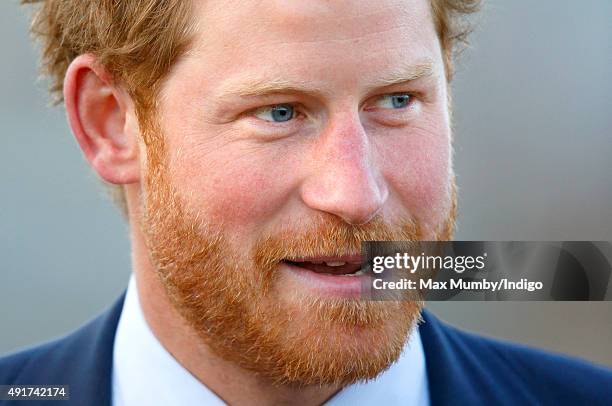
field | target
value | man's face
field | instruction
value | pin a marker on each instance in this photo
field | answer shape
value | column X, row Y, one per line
column 289, row 133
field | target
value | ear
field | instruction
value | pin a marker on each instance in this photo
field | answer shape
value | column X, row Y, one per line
column 102, row 118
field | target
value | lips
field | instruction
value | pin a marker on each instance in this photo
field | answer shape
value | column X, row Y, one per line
column 326, row 276
column 348, row 265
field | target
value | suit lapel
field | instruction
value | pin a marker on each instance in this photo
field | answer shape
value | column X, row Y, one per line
column 448, row 371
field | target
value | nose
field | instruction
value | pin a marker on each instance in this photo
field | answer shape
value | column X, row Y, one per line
column 345, row 180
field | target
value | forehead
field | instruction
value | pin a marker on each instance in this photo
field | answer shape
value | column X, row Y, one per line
column 312, row 20
column 343, row 41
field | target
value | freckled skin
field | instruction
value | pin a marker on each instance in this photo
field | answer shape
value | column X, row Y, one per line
column 340, row 159
column 342, row 155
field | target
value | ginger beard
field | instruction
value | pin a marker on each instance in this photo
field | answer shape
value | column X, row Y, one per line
column 234, row 301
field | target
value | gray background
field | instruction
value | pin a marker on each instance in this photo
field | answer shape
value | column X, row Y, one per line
column 533, row 146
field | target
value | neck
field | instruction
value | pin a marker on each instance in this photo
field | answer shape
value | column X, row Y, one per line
column 227, row 380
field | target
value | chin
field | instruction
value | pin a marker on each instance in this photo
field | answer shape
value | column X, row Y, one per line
column 321, row 349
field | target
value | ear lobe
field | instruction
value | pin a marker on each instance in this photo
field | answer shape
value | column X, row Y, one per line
column 101, row 116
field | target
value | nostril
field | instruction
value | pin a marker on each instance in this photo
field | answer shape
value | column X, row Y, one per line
column 352, row 210
column 364, row 209
column 360, row 217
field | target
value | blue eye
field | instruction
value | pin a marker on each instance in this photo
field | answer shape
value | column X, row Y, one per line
column 278, row 113
column 394, row 101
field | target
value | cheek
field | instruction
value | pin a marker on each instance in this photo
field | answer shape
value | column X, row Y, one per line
column 239, row 187
column 418, row 171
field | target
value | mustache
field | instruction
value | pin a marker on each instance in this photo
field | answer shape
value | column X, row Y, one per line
column 328, row 236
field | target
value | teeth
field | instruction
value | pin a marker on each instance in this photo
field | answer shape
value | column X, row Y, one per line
column 335, row 263
column 359, row 272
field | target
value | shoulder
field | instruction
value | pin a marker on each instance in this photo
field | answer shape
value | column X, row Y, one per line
column 64, row 360
column 44, row 361
column 518, row 369
column 13, row 366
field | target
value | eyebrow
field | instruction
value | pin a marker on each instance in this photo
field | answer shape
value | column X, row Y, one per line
column 262, row 87
column 409, row 73
column 256, row 87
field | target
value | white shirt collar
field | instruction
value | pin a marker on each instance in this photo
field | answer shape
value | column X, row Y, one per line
column 144, row 372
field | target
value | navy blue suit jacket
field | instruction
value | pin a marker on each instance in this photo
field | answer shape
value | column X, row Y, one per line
column 462, row 368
